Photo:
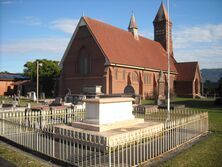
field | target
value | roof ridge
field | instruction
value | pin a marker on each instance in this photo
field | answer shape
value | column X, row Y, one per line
column 187, row 62
column 119, row 28
column 117, row 43
column 106, row 24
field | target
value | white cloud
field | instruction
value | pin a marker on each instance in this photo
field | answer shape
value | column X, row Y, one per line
column 201, row 43
column 6, row 2
column 146, row 33
column 185, row 37
column 65, row 25
column 39, row 45
column 28, row 20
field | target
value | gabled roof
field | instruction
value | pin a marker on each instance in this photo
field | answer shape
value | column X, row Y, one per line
column 21, row 82
column 186, row 71
column 161, row 14
column 120, row 47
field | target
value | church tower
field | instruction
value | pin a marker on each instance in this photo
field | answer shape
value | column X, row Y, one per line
column 133, row 27
column 160, row 24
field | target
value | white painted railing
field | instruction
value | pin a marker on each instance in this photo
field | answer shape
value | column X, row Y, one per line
column 80, row 149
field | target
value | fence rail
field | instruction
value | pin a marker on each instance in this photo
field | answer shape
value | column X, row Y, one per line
column 183, row 126
column 38, row 119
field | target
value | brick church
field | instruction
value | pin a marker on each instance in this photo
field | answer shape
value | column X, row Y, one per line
column 123, row 61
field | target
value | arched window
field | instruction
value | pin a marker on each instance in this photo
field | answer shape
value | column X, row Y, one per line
column 116, row 74
column 147, row 78
column 124, row 75
column 134, row 77
column 84, row 62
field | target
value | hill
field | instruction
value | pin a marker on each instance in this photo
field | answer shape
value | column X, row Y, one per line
column 211, row 74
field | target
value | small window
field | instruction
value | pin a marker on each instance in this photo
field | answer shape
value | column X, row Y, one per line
column 124, row 75
column 135, row 77
column 116, row 74
column 84, row 63
column 147, row 78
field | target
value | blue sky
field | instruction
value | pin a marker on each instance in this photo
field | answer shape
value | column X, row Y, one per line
column 36, row 29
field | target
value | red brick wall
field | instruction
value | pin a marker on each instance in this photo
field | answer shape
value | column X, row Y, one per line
column 100, row 74
column 184, row 88
column 188, row 88
column 70, row 76
column 4, row 85
column 140, row 87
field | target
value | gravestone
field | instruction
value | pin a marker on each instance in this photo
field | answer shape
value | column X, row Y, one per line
column 42, row 95
column 32, row 95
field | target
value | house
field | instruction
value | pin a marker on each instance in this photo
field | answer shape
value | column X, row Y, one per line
column 122, row 61
column 189, row 80
column 8, row 82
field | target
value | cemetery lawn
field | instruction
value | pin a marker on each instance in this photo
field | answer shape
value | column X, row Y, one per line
column 23, row 101
column 207, row 152
column 19, row 158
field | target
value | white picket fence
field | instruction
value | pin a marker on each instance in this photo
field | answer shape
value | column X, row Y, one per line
column 81, row 149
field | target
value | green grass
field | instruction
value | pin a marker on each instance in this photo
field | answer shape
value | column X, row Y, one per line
column 148, row 102
column 18, row 158
column 23, row 102
column 207, row 153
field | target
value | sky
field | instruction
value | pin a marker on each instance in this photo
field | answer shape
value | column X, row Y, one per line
column 38, row 29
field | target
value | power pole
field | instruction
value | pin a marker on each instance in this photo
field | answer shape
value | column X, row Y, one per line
column 37, row 83
column 168, row 56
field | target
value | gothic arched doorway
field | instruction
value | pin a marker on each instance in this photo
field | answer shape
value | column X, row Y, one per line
column 129, row 90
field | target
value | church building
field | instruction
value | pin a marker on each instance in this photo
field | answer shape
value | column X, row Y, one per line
column 125, row 62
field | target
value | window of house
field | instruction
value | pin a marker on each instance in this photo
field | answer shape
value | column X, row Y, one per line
column 124, row 75
column 147, row 78
column 135, row 77
column 84, row 62
column 116, row 74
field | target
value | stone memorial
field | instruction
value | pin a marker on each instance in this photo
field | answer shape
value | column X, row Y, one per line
column 111, row 119
column 161, row 96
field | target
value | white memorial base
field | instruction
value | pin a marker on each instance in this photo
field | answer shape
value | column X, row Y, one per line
column 103, row 111
column 110, row 119
column 107, row 113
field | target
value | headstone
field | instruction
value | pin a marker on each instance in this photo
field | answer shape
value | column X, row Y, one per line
column 28, row 105
column 58, row 101
column 33, row 96
column 19, row 93
column 97, row 90
column 42, row 95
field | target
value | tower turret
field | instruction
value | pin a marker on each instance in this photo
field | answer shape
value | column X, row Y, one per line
column 133, row 27
column 161, row 31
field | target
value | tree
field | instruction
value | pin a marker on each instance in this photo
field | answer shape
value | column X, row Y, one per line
column 48, row 73
column 220, row 87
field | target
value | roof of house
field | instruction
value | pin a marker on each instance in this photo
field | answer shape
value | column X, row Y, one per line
column 12, row 76
column 21, row 82
column 186, row 71
column 120, row 47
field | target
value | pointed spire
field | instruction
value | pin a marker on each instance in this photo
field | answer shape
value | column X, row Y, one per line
column 133, row 27
column 161, row 14
column 132, row 23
